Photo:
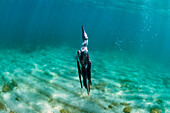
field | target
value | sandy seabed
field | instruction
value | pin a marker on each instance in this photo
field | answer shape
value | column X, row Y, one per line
column 46, row 81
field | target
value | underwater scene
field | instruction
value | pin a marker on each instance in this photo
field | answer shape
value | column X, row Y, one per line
column 84, row 56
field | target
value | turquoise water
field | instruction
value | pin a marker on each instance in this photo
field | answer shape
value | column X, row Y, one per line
column 128, row 46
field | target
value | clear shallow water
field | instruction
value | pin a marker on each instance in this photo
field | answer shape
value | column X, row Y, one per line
column 128, row 45
column 47, row 81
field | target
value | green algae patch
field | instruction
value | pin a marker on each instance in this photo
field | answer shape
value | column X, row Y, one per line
column 155, row 110
column 125, row 104
column 64, row 111
column 51, row 100
column 105, row 108
column 100, row 88
column 114, row 103
column 110, row 106
column 102, row 84
column 92, row 87
column 5, row 88
column 2, row 107
column 127, row 110
column 11, row 111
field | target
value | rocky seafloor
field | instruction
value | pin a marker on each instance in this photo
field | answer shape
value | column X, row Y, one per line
column 46, row 81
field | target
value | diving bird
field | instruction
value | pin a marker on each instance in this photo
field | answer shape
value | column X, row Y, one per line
column 84, row 62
